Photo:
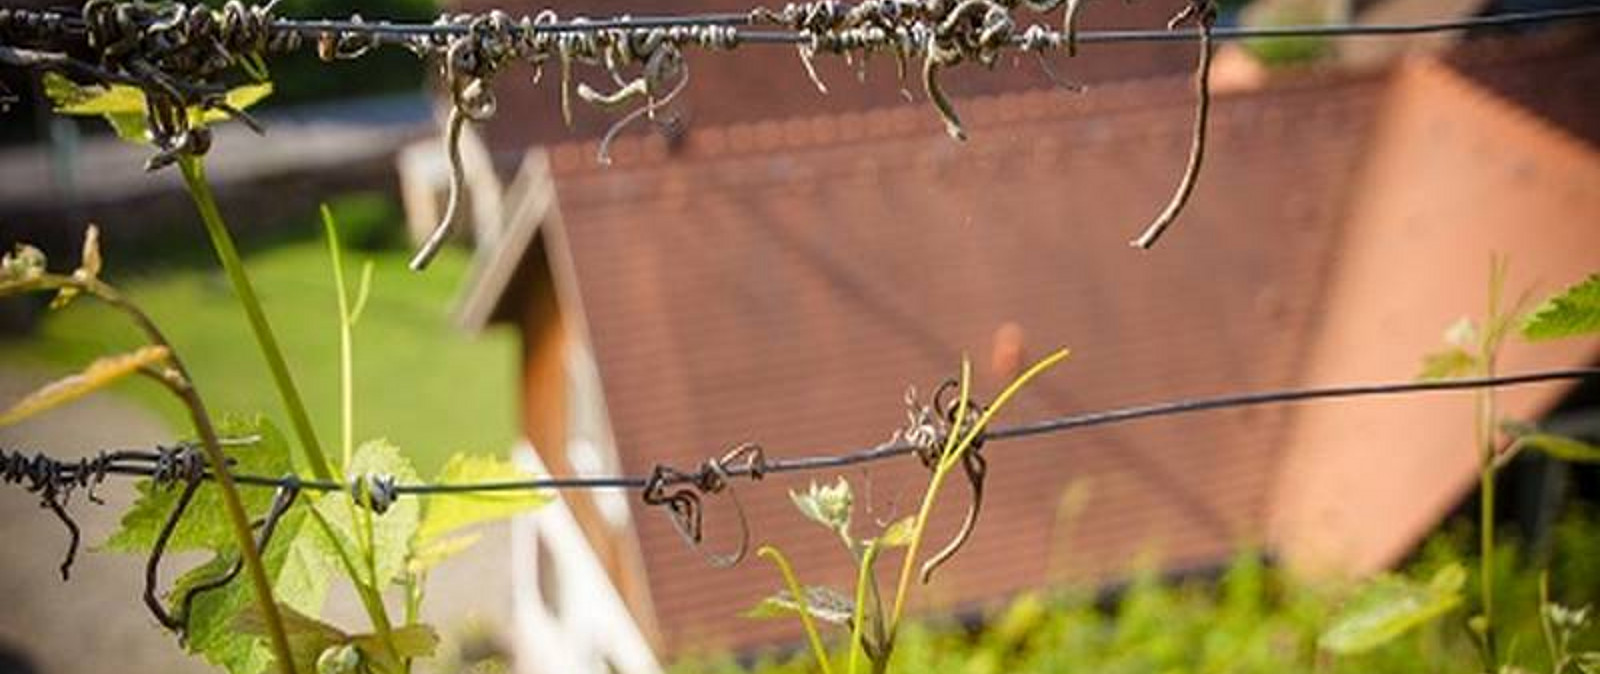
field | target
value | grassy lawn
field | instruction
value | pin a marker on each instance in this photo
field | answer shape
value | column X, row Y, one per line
column 421, row 382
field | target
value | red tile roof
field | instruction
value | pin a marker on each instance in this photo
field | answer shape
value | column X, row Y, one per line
column 1456, row 174
column 784, row 281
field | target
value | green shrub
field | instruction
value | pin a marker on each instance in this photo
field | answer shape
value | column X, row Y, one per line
column 1250, row 618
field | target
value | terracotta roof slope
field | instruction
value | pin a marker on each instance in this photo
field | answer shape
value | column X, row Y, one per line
column 783, row 282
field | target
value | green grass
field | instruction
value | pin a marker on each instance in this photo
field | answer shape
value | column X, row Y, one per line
column 421, row 381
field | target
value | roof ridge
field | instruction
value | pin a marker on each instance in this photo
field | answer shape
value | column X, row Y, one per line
column 1504, row 49
column 1449, row 75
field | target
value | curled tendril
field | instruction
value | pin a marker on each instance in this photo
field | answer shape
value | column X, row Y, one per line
column 973, row 30
column 54, row 481
column 1069, row 24
column 469, row 60
column 684, row 505
column 976, row 468
column 346, row 45
column 664, row 64
column 178, row 621
column 1203, row 13
column 176, row 55
column 189, row 465
column 928, row 426
column 937, row 59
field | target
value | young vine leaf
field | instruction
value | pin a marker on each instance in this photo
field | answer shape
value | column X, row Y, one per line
column 1562, row 447
column 1457, row 359
column 317, row 646
column 393, row 530
column 426, row 554
column 123, row 107
column 828, row 505
column 1571, row 313
column 309, row 637
column 823, row 603
column 900, row 533
column 1391, row 606
column 300, row 566
column 444, row 514
column 204, row 526
column 298, row 562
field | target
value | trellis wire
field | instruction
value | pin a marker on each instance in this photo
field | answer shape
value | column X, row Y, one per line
column 177, row 53
column 312, row 28
column 144, row 463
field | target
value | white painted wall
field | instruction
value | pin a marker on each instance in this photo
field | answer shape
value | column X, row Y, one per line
column 569, row 618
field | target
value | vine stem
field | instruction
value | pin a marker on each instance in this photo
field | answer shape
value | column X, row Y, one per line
column 178, row 381
column 903, row 588
column 951, row 457
column 1484, row 404
column 194, row 176
column 237, row 517
column 813, row 637
column 1486, row 475
column 360, row 514
column 863, row 580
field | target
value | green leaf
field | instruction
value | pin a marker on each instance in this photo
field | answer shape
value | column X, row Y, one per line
column 1391, row 606
column 254, row 66
column 120, row 105
column 1562, row 447
column 129, row 127
column 123, row 106
column 411, row 641
column 823, row 603
column 103, row 372
column 318, row 646
column 426, row 555
column 298, row 561
column 900, row 533
column 1448, row 364
column 205, row 526
column 308, row 637
column 829, row 506
column 240, row 98
column 394, row 530
column 1462, row 334
column 299, row 565
column 1573, row 312
column 1589, row 662
column 72, row 98
column 446, row 513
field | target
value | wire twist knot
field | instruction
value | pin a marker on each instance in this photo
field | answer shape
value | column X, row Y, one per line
column 375, row 491
column 54, row 481
column 684, row 506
